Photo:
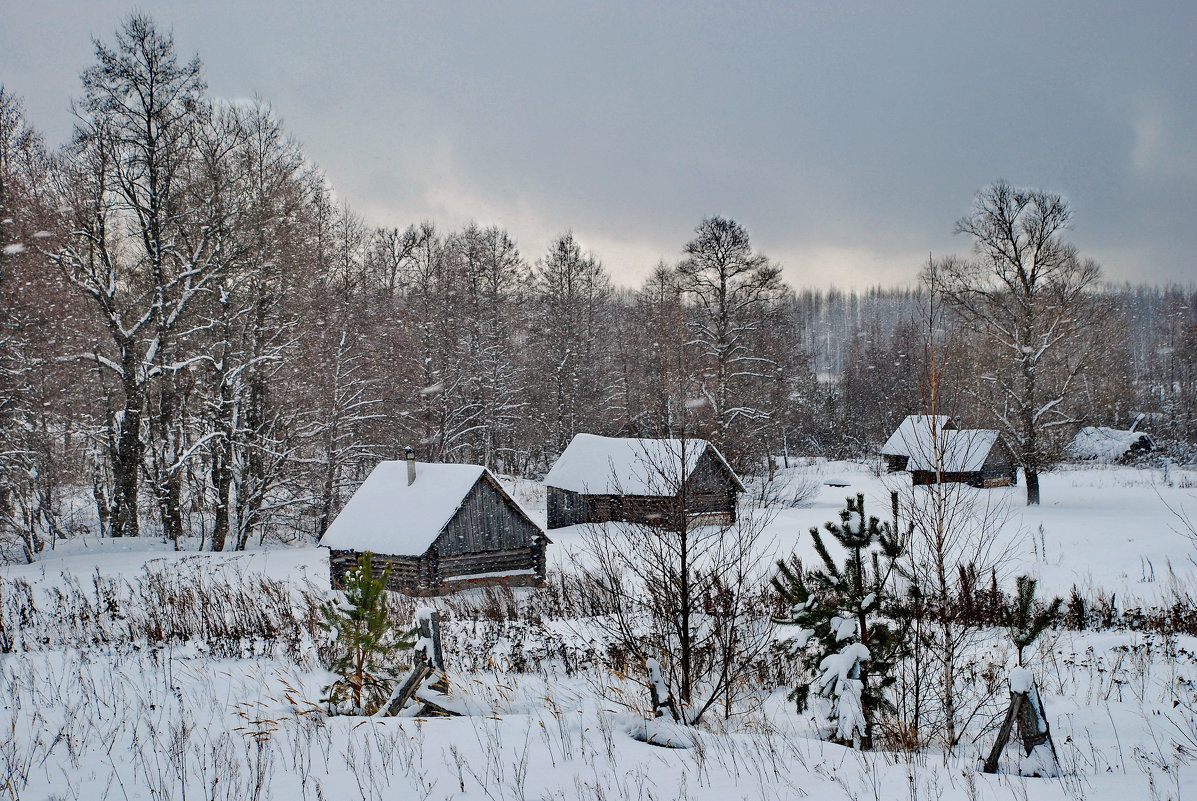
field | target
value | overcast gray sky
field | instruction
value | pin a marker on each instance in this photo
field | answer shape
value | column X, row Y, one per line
column 847, row 137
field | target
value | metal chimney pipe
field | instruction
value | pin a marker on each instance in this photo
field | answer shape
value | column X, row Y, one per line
column 411, row 466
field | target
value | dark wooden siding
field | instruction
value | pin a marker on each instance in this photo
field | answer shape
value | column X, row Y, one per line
column 489, row 534
column 486, row 521
column 711, row 488
column 711, row 493
column 406, row 572
column 568, row 508
column 565, row 508
column 998, row 470
column 630, row 508
column 708, row 475
column 975, row 478
column 491, row 562
column 433, row 574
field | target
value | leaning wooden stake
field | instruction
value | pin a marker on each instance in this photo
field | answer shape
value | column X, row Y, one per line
column 427, row 660
column 991, row 762
column 407, row 688
column 1031, row 720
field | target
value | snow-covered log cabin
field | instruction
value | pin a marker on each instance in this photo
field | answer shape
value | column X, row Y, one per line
column 441, row 527
column 912, row 436
column 974, row 456
column 600, row 479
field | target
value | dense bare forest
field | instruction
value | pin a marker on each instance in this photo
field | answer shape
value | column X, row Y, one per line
column 199, row 337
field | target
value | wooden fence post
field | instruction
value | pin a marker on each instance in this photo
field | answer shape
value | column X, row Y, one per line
column 428, row 659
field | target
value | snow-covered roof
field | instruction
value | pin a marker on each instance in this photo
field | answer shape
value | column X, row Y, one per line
column 1105, row 444
column 913, row 435
column 597, row 465
column 388, row 516
column 962, row 451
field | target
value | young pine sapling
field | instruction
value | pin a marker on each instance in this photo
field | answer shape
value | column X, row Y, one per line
column 366, row 645
column 846, row 640
column 1024, row 622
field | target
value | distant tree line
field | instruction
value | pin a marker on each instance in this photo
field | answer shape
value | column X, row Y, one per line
column 199, row 339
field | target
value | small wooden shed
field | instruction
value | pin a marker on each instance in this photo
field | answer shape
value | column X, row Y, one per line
column 602, row 479
column 913, row 435
column 974, row 456
column 441, row 527
column 1102, row 444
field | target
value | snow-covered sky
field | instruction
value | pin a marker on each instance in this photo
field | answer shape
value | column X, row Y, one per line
column 847, row 137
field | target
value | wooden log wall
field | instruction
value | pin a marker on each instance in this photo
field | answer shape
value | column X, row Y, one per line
column 486, row 521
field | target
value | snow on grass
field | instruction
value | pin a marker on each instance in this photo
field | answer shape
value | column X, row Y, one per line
column 143, row 712
column 170, row 725
column 1106, row 530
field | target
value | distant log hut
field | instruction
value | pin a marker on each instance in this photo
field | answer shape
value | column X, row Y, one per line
column 977, row 457
column 912, row 436
column 1101, row 444
column 601, row 479
column 441, row 527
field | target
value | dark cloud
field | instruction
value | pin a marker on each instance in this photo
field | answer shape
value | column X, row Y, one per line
column 848, row 138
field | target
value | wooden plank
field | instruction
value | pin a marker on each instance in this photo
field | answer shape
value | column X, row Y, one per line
column 486, row 521
column 995, row 754
column 431, row 708
column 407, row 689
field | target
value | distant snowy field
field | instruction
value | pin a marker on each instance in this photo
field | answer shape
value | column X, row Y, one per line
column 126, row 718
column 1108, row 529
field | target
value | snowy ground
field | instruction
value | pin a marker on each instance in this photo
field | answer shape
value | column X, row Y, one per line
column 1103, row 529
column 121, row 716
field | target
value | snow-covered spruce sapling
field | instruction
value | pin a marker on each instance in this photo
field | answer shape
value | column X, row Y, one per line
column 366, row 644
column 1024, row 622
column 846, row 639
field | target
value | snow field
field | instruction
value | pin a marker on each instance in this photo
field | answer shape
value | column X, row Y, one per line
column 101, row 701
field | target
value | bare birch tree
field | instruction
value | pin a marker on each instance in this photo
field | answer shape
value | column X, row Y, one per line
column 1027, row 293
column 141, row 247
column 251, row 330
column 956, row 536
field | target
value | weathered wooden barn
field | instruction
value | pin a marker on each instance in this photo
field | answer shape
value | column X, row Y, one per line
column 601, row 479
column 441, row 527
column 1101, row 444
column 913, row 435
column 973, row 456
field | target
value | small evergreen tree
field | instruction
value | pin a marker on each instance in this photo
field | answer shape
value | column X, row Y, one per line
column 1024, row 622
column 365, row 644
column 846, row 642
